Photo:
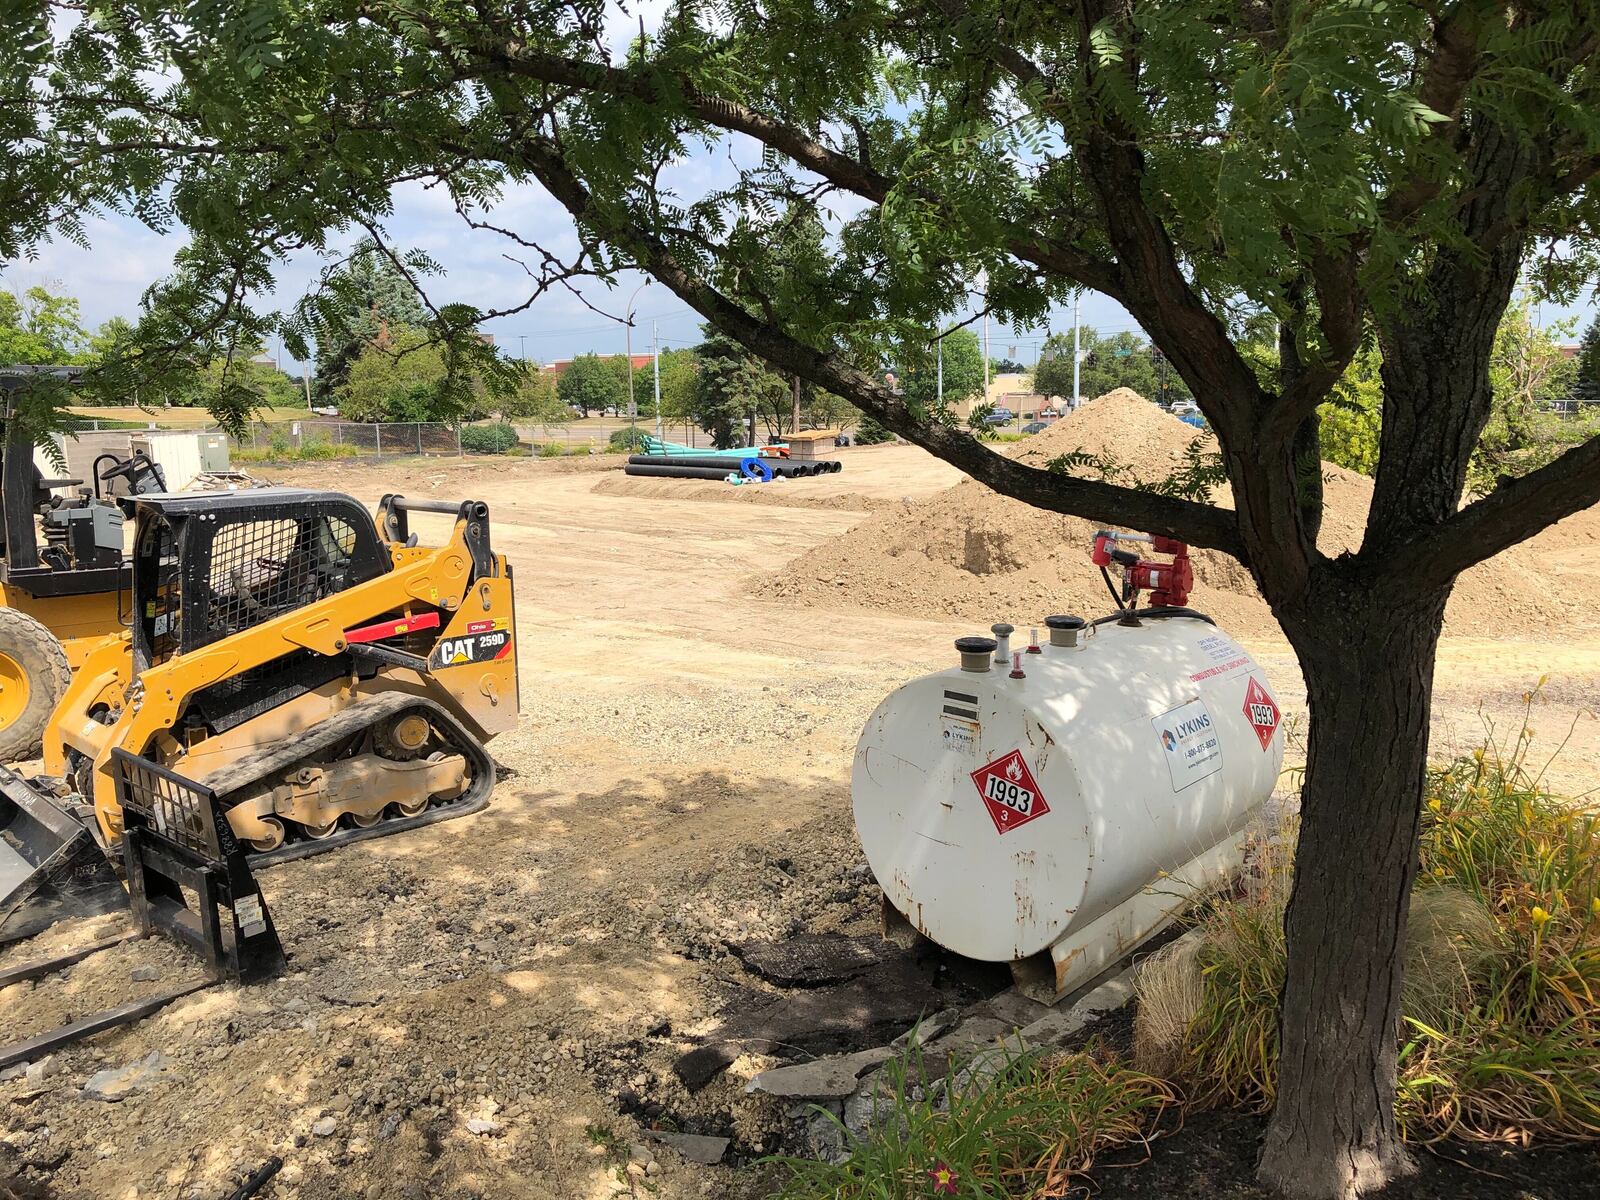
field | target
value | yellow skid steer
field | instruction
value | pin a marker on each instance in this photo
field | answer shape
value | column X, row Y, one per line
column 313, row 671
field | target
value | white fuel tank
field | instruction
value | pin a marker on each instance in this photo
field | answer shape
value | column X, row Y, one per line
column 1073, row 810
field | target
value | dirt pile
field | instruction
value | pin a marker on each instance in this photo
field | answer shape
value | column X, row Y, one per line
column 972, row 554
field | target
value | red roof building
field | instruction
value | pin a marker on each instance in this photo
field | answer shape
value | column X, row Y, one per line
column 560, row 365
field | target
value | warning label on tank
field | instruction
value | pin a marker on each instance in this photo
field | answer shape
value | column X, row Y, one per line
column 1262, row 711
column 1190, row 742
column 1009, row 792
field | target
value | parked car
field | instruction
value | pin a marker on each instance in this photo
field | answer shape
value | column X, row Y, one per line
column 1001, row 416
column 1036, row 426
column 1185, row 408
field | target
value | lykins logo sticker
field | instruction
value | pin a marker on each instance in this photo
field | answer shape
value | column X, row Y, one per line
column 1009, row 792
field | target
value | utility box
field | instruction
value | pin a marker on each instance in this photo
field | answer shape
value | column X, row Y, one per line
column 214, row 452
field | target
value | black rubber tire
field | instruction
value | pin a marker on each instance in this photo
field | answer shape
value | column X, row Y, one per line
column 36, row 650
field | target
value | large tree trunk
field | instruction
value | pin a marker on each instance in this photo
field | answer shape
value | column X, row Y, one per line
column 1368, row 660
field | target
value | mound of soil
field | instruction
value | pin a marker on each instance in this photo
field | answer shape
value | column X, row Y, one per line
column 972, row 554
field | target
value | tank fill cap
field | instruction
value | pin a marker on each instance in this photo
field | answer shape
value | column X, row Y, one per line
column 975, row 653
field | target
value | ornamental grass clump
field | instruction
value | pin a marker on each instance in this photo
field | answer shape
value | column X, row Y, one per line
column 1501, row 998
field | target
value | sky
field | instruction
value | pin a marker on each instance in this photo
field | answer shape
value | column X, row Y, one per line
column 126, row 258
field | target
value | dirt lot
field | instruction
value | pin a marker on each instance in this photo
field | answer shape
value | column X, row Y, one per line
column 679, row 781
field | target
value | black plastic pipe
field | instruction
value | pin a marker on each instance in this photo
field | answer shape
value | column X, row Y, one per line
column 676, row 472
column 726, row 462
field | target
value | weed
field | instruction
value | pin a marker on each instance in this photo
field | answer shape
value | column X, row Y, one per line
column 1501, row 993
column 1001, row 1124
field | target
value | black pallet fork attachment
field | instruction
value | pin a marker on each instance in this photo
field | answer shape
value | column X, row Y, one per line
column 176, row 844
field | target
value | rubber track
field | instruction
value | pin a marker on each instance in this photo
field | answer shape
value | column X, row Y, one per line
column 358, row 717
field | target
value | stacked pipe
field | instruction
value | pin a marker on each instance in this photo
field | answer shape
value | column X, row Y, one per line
column 720, row 466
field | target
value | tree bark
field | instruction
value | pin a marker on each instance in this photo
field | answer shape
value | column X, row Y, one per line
column 1368, row 656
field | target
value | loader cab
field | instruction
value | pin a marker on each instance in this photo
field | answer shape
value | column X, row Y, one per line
column 212, row 565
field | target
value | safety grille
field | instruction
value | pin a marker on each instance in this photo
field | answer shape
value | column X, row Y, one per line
column 178, row 808
column 262, row 568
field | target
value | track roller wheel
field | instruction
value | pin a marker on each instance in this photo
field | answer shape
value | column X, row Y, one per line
column 361, row 822
column 414, row 809
column 271, row 842
column 317, row 832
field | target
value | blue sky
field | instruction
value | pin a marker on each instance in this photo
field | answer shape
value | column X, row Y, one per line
column 126, row 258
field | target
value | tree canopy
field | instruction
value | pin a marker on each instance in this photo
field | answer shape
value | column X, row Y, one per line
column 593, row 384
column 962, row 373
column 1122, row 360
column 40, row 328
column 1340, row 173
column 361, row 299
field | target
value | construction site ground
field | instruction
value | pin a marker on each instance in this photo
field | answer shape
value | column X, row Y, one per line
column 465, row 1003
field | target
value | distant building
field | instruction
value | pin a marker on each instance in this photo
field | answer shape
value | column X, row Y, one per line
column 559, row 367
column 1013, row 390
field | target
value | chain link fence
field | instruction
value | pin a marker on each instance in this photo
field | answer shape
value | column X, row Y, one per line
column 326, row 438
column 346, row 439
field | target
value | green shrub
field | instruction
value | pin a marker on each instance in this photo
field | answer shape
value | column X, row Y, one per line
column 280, row 449
column 499, row 438
column 1501, row 994
column 869, row 432
column 630, row 440
column 999, row 1124
column 552, row 450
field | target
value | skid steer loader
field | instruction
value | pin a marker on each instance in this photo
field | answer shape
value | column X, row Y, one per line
column 314, row 670
column 58, row 599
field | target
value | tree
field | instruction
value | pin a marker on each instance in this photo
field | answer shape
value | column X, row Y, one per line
column 1528, row 372
column 733, row 386
column 962, row 372
column 40, row 327
column 591, row 383
column 398, row 377
column 357, row 302
column 1341, row 170
column 1349, row 423
column 533, row 400
column 678, row 368
column 1586, row 379
column 1122, row 360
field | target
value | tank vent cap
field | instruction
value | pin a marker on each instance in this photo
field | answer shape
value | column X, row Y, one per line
column 976, row 653
column 1064, row 630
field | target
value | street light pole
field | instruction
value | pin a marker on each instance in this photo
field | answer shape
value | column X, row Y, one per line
column 655, row 367
column 633, row 409
column 1077, row 355
column 523, row 338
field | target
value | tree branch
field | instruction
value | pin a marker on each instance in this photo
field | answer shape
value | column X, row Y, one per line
column 1198, row 524
column 1513, row 512
column 852, row 174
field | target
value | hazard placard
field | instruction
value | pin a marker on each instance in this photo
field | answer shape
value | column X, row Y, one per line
column 1261, row 710
column 1009, row 792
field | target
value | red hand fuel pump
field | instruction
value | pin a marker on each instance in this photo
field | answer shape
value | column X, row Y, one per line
column 1169, row 583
